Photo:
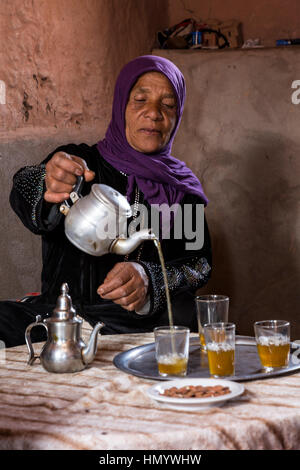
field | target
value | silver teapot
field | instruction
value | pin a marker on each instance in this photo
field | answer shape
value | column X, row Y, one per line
column 64, row 350
column 96, row 223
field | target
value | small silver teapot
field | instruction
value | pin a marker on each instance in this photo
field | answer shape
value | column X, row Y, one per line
column 96, row 223
column 64, row 350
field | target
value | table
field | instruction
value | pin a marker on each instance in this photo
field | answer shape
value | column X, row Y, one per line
column 104, row 408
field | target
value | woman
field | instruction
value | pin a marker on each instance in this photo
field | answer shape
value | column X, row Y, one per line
column 128, row 294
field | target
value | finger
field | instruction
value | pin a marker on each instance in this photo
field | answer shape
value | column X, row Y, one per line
column 120, row 291
column 60, row 175
column 69, row 163
column 134, row 306
column 117, row 297
column 89, row 175
column 118, row 276
column 114, row 271
column 135, row 296
column 109, row 286
column 65, row 167
column 133, row 301
column 55, row 198
column 58, row 186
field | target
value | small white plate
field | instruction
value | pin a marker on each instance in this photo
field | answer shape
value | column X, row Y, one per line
column 191, row 404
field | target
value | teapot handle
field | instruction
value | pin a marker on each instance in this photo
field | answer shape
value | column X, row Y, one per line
column 74, row 195
column 32, row 356
column 77, row 189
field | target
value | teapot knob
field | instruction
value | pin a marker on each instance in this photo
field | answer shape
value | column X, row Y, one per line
column 64, row 309
column 64, row 288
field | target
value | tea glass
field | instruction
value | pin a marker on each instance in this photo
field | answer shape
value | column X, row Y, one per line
column 273, row 343
column 210, row 309
column 172, row 350
column 220, row 348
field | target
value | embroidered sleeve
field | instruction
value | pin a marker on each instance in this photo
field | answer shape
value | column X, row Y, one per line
column 191, row 275
column 29, row 183
column 27, row 200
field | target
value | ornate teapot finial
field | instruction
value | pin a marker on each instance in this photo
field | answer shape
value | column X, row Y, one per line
column 64, row 309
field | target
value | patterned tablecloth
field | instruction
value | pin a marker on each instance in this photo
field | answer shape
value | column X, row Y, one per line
column 104, row 408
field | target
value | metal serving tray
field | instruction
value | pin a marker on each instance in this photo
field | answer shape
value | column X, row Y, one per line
column 140, row 361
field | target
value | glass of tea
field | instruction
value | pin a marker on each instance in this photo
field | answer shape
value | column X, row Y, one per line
column 172, row 350
column 273, row 343
column 220, row 348
column 210, row 309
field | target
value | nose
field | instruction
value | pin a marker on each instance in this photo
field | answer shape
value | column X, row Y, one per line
column 153, row 111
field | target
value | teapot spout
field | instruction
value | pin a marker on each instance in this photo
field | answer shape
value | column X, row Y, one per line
column 89, row 352
column 123, row 246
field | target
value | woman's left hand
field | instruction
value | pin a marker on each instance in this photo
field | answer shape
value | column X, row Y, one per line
column 127, row 285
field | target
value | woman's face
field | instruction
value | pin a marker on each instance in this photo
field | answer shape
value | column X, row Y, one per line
column 150, row 115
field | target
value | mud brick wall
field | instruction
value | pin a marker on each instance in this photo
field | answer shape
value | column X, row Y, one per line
column 59, row 61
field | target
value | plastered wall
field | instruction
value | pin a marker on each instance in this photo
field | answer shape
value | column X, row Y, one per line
column 240, row 135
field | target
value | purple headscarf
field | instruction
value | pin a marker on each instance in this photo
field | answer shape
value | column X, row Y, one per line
column 161, row 177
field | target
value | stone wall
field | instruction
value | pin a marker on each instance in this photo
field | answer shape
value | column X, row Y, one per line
column 240, row 135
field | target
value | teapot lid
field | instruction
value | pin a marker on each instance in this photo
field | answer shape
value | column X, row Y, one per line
column 112, row 198
column 64, row 309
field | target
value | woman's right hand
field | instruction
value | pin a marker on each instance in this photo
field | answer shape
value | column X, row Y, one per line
column 61, row 176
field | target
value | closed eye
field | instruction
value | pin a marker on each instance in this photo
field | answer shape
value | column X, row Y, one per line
column 170, row 106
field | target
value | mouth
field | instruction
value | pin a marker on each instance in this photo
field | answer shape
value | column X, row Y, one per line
column 149, row 131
